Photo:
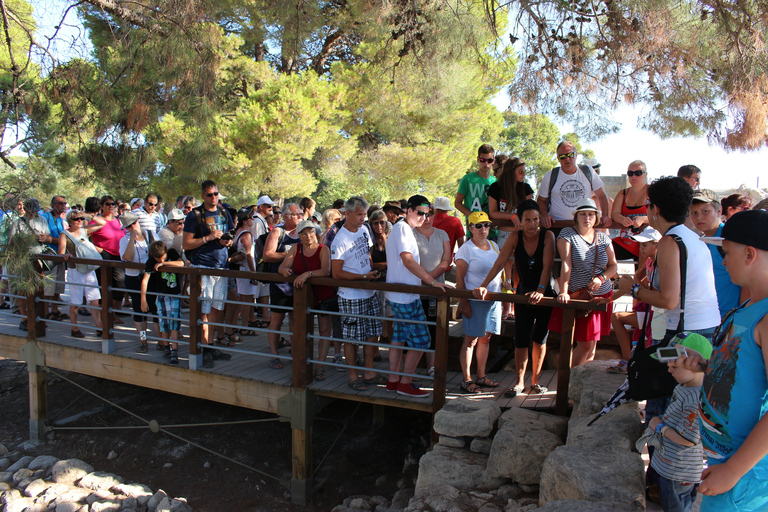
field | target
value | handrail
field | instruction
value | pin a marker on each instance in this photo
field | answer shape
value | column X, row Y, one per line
column 303, row 344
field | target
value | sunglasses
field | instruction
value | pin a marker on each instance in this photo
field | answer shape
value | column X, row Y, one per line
column 211, row 194
column 566, row 155
column 486, row 160
column 421, row 214
column 483, row 225
column 78, row 218
column 60, row 203
column 110, row 204
column 151, row 204
column 635, row 173
column 382, row 222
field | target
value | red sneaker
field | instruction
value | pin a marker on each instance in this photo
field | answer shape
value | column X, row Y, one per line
column 392, row 385
column 411, row 390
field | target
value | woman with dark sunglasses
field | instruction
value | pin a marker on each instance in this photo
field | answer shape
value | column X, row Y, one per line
column 107, row 242
column 481, row 318
column 629, row 210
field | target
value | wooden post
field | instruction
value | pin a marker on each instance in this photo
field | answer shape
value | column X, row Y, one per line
column 195, row 331
column 441, row 357
column 38, row 390
column 35, row 309
column 107, row 318
column 302, row 347
column 564, row 361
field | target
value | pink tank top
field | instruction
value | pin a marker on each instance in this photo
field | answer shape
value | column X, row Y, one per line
column 108, row 237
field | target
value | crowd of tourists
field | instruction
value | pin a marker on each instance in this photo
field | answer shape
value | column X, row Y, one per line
column 698, row 259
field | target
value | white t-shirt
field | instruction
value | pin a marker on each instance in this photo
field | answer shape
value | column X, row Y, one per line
column 259, row 226
column 401, row 240
column 140, row 253
column 479, row 264
column 567, row 191
column 354, row 249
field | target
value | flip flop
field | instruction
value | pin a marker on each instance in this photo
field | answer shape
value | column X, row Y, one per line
column 275, row 364
column 378, row 379
column 485, row 382
column 513, row 392
column 357, row 385
column 538, row 389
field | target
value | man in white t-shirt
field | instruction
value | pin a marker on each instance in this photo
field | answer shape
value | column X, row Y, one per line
column 351, row 261
column 404, row 267
column 261, row 226
column 571, row 185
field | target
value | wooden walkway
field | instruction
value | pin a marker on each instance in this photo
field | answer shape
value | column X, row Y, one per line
column 254, row 367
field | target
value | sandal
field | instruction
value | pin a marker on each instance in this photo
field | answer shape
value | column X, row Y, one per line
column 246, row 332
column 620, row 368
column 77, row 333
column 275, row 364
column 537, row 389
column 225, row 341
column 358, row 385
column 470, row 387
column 117, row 320
column 234, row 338
column 259, row 324
column 513, row 391
column 283, row 343
column 320, row 374
column 485, row 382
column 378, row 379
column 143, row 348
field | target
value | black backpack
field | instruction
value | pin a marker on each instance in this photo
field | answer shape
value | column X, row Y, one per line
column 198, row 210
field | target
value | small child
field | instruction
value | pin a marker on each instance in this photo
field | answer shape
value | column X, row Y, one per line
column 169, row 303
column 649, row 240
column 680, row 459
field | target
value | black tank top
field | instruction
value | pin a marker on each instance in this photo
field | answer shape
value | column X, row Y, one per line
column 529, row 267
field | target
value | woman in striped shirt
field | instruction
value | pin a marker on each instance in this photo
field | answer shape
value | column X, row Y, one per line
column 588, row 263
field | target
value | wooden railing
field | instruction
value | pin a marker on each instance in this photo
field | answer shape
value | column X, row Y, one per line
column 303, row 347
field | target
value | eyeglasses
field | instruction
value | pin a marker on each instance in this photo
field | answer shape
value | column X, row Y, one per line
column 379, row 222
column 482, row 225
column 635, row 173
column 293, row 215
column 421, row 213
column 110, row 204
column 60, row 203
column 486, row 160
column 78, row 218
column 566, row 155
column 151, row 204
column 211, row 194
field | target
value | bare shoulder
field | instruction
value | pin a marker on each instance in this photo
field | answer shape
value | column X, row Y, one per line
column 761, row 333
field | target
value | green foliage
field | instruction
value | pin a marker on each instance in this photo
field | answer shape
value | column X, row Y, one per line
column 533, row 138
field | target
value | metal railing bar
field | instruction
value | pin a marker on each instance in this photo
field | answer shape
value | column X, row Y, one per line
column 8, row 313
column 8, row 275
column 238, row 327
column 62, row 303
column 15, row 296
column 384, row 345
column 62, row 322
column 354, row 315
column 155, row 338
column 77, row 284
column 179, row 319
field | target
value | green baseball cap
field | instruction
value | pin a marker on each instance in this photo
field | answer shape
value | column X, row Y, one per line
column 693, row 341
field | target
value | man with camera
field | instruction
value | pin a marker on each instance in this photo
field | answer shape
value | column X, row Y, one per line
column 206, row 245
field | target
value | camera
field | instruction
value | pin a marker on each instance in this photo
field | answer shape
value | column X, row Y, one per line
column 229, row 235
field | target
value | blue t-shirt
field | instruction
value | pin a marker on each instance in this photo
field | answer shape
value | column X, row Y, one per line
column 211, row 254
column 55, row 226
column 734, row 396
column 727, row 293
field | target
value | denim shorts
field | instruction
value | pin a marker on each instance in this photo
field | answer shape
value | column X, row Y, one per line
column 486, row 317
column 213, row 292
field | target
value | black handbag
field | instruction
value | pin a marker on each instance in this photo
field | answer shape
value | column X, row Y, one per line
column 649, row 378
column 43, row 265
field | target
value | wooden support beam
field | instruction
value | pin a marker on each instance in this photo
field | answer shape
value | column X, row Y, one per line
column 564, row 361
column 107, row 318
column 38, row 405
column 302, row 347
column 441, row 357
column 195, row 314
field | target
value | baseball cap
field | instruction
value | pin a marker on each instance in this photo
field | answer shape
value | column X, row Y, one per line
column 749, row 227
column 647, row 235
column 693, row 341
column 704, row 195
column 264, row 200
column 135, row 200
column 477, row 217
column 307, row 224
column 417, row 200
column 176, row 214
column 592, row 162
column 443, row 203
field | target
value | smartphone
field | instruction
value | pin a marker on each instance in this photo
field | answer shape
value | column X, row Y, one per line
column 667, row 354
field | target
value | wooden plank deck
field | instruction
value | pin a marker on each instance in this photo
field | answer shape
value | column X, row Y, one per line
column 252, row 367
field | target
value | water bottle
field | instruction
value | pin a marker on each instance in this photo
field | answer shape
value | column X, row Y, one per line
column 432, row 311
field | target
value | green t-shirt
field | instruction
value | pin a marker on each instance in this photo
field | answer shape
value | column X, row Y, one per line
column 475, row 191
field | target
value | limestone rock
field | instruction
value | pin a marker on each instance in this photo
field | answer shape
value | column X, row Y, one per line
column 620, row 428
column 465, row 417
column 155, row 500
column 441, row 498
column 452, row 442
column 5, row 462
column 73, row 495
column 557, row 425
column 52, row 492
column 21, row 463
column 35, row 488
column 45, row 462
column 576, row 506
column 4, row 487
column 71, row 507
column 69, row 471
column 6, row 476
column 447, row 466
column 481, row 445
column 180, row 505
column 106, row 506
column 22, row 474
column 99, row 480
column 401, row 498
column 518, row 452
column 591, row 386
column 20, row 505
column 100, row 495
column 3, row 449
column 112, row 455
column 130, row 503
column 613, row 477
column 509, row 492
column 142, row 493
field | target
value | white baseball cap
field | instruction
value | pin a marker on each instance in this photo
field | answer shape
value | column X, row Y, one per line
column 443, row 203
column 647, row 235
column 264, row 200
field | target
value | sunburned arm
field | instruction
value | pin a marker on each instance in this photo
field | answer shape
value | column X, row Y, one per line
column 564, row 248
column 668, row 267
column 459, row 204
column 286, row 267
column 506, row 252
column 720, row 478
column 270, row 248
column 337, row 269
column 546, row 218
column 414, row 268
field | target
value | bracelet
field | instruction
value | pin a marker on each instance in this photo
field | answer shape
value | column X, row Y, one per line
column 508, row 280
column 542, row 287
column 660, row 426
column 365, row 277
column 205, row 239
column 310, row 274
column 633, row 291
column 433, row 282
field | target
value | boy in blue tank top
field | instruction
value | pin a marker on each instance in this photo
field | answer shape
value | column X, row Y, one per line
column 734, row 396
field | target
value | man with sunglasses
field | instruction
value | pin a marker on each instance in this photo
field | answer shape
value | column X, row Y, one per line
column 148, row 215
column 473, row 187
column 558, row 196
column 734, row 396
column 203, row 229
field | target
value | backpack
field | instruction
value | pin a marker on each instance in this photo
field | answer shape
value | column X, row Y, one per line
column 86, row 250
column 258, row 250
column 553, row 179
column 199, row 226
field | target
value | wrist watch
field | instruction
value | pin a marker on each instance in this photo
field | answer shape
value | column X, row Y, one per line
column 633, row 290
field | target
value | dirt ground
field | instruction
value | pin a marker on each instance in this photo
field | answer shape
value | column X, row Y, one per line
column 355, row 454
